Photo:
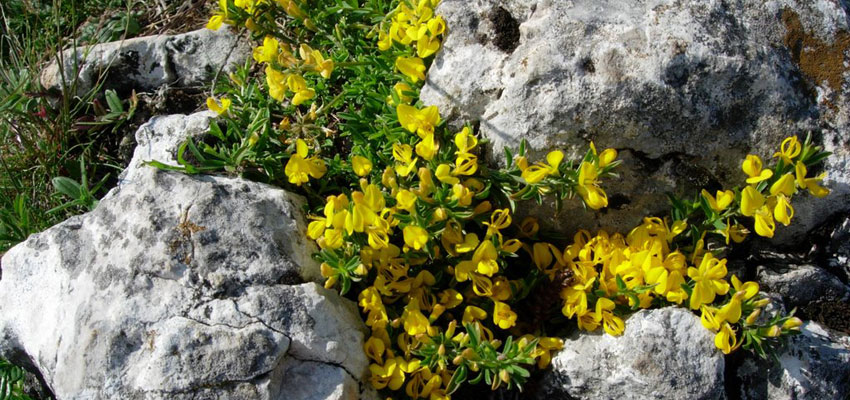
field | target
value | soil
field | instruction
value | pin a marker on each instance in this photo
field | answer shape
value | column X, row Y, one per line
column 507, row 30
column 834, row 314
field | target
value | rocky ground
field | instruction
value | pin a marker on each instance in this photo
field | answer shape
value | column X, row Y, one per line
column 203, row 287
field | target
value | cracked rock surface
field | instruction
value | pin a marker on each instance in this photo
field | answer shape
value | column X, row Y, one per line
column 663, row 354
column 180, row 287
column 149, row 62
column 814, row 365
column 683, row 89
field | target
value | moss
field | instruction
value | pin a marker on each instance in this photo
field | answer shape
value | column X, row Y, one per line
column 818, row 60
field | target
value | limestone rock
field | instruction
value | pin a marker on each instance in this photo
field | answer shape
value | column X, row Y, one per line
column 684, row 90
column 663, row 353
column 179, row 287
column 814, row 365
column 800, row 285
column 147, row 63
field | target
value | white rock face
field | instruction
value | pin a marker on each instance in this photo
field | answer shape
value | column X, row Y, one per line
column 814, row 365
column 663, row 354
column 180, row 287
column 684, row 90
column 149, row 62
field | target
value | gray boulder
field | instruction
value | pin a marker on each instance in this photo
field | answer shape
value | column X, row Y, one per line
column 684, row 90
column 814, row 365
column 180, row 287
column 800, row 285
column 147, row 63
column 663, row 354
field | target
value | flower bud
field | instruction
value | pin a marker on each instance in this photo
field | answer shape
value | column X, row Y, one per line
column 441, row 351
column 792, row 323
column 504, row 375
column 761, row 303
column 330, row 282
column 773, row 331
column 751, row 319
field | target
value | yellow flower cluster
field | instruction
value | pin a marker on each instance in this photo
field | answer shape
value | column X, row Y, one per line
column 244, row 12
column 776, row 206
column 284, row 71
column 587, row 182
column 412, row 240
column 418, row 28
column 640, row 271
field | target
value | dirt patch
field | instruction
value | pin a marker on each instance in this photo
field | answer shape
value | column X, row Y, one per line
column 833, row 314
column 818, row 60
column 507, row 30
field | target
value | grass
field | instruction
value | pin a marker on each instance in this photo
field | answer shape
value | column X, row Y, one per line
column 58, row 153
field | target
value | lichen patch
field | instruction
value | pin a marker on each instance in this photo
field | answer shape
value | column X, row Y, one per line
column 817, row 59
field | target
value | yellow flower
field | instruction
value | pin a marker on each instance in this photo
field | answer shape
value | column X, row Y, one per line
column 588, row 187
column 401, row 89
column 753, row 205
column 218, row 108
column 708, row 279
column 427, row 147
column 465, row 164
column 783, row 185
column 299, row 168
column 414, row 321
column 215, row 22
column 736, row 232
column 789, row 149
column 406, row 200
column 721, row 202
column 412, row 67
column 812, row 184
column 422, row 122
column 752, row 167
column 361, row 165
column 268, row 52
column 403, row 153
column 473, row 313
column 426, row 46
column 415, row 237
column 298, row 85
column 277, row 83
column 388, row 375
column 607, row 157
column 726, row 340
column 374, row 349
column 783, row 212
column 612, row 324
column 538, row 171
column 503, row 316
column 423, row 383
column 465, row 141
column 450, row 298
column 444, row 174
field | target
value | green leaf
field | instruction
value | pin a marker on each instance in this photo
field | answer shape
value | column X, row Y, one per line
column 68, row 187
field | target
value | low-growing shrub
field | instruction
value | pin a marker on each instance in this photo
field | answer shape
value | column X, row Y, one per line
column 422, row 234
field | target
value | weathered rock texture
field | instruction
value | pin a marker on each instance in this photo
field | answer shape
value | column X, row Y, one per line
column 180, row 286
column 149, row 62
column 683, row 89
column 815, row 365
column 664, row 354
column 800, row 285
